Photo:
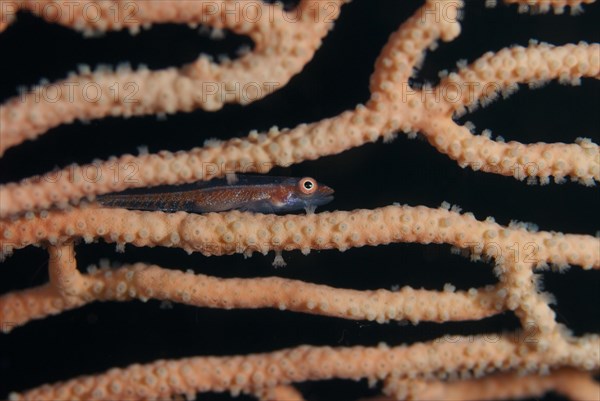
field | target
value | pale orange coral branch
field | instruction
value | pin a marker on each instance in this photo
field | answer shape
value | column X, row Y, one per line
column 239, row 232
column 393, row 106
column 284, row 43
column 575, row 384
column 282, row 49
column 245, row 374
column 144, row 282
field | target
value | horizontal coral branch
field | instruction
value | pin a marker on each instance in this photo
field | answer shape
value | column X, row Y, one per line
column 468, row 356
column 144, row 282
column 237, row 232
column 577, row 385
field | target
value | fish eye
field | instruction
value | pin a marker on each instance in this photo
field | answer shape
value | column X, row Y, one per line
column 307, row 185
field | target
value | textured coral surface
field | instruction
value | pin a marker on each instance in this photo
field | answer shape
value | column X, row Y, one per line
column 176, row 322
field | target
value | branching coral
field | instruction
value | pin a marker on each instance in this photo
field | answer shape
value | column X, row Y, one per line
column 56, row 210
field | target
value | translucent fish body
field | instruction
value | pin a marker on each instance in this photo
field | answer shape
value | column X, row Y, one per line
column 253, row 193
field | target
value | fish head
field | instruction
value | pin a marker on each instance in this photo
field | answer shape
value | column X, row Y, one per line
column 308, row 194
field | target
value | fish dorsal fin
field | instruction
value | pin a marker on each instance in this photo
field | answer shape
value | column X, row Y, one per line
column 243, row 180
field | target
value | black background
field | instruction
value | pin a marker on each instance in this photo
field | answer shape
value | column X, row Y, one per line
column 103, row 335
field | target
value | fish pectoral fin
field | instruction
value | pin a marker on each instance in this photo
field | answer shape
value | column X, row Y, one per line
column 258, row 207
column 310, row 209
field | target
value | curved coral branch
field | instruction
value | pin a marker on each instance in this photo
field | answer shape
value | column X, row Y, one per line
column 163, row 379
column 284, row 43
column 498, row 73
column 288, row 393
column 257, row 152
column 579, row 160
column 144, row 282
column 261, row 152
column 394, row 105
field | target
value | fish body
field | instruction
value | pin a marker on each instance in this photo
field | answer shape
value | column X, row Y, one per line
column 253, row 193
